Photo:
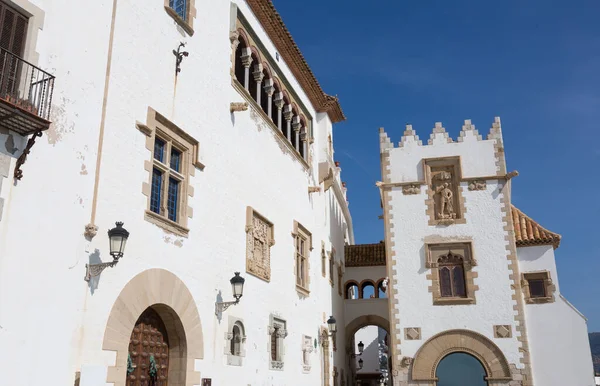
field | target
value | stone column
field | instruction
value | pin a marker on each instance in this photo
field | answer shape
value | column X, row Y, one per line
column 279, row 104
column 296, row 126
column 235, row 42
column 287, row 115
column 258, row 78
column 303, row 138
column 246, row 61
column 269, row 90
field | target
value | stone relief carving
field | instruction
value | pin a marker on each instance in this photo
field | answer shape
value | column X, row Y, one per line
column 307, row 349
column 258, row 247
column 444, row 191
column 477, row 185
column 405, row 362
column 411, row 189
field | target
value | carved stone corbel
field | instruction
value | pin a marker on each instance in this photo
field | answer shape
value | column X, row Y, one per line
column 512, row 174
column 478, row 185
column 314, row 189
column 411, row 189
column 238, row 106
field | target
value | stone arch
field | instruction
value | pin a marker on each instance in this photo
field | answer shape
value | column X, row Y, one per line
column 167, row 295
column 365, row 283
column 443, row 344
column 347, row 286
column 363, row 321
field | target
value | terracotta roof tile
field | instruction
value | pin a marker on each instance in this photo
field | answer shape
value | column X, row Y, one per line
column 364, row 255
column 529, row 232
column 267, row 15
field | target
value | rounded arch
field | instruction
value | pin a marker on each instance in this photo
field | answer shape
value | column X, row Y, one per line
column 242, row 36
column 172, row 300
column 363, row 321
column 366, row 283
column 443, row 344
column 349, row 284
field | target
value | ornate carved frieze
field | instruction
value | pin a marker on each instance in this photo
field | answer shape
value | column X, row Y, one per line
column 477, row 185
column 411, row 189
column 259, row 239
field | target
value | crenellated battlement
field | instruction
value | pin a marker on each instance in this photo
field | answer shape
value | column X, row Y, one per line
column 440, row 137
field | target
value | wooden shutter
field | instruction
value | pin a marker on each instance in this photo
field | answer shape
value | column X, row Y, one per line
column 445, row 283
column 458, row 281
column 13, row 30
column 274, row 344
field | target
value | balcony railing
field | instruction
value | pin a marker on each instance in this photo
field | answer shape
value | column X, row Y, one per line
column 25, row 95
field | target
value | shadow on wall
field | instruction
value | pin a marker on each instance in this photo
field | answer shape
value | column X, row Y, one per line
column 94, row 280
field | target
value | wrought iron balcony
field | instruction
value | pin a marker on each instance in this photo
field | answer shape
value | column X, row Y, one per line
column 25, row 95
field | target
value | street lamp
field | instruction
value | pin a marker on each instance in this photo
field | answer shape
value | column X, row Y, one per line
column 360, row 364
column 331, row 323
column 117, row 238
column 361, row 347
column 237, row 287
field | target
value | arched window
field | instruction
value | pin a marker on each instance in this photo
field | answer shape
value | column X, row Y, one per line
column 368, row 290
column 381, row 290
column 452, row 276
column 295, row 119
column 352, row 291
column 303, row 136
column 460, row 369
column 240, row 71
column 236, row 341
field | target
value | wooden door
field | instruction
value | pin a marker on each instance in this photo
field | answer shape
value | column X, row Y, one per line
column 148, row 340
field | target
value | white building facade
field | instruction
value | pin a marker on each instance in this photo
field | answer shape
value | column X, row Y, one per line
column 218, row 157
column 470, row 273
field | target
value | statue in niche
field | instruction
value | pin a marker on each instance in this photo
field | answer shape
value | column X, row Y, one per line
column 442, row 183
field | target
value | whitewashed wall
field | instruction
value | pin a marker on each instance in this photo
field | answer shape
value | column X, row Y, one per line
column 555, row 328
column 494, row 304
column 44, row 300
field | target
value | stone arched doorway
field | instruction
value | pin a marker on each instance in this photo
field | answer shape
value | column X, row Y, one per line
column 351, row 330
column 432, row 352
column 153, row 297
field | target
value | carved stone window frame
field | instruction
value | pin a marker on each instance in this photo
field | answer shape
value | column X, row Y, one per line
column 300, row 232
column 465, row 250
column 277, row 325
column 549, row 287
column 188, row 23
column 189, row 147
column 307, row 350
column 459, row 203
column 232, row 359
column 260, row 269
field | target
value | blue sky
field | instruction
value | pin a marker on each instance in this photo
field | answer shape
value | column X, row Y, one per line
column 536, row 64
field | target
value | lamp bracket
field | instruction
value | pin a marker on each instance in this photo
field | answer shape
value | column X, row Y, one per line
column 222, row 306
column 93, row 270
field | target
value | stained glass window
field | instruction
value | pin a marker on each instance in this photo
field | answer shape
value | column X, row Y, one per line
column 180, row 7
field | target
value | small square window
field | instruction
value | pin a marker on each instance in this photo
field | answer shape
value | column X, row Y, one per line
column 537, row 288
